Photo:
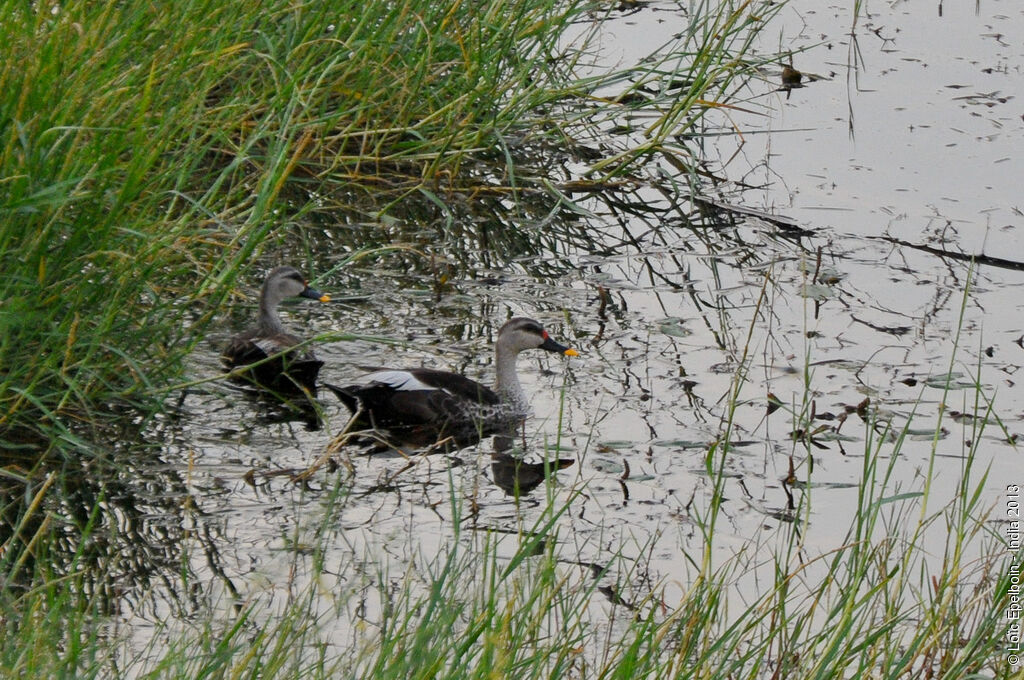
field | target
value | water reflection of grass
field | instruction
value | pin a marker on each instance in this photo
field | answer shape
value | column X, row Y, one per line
column 152, row 153
column 497, row 603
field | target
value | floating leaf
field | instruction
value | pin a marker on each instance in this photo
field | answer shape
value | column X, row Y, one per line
column 929, row 435
column 681, row 443
column 673, row 326
column 800, row 484
column 617, row 444
column 610, row 466
column 816, row 291
column 848, row 364
column 829, row 276
column 833, row 436
column 952, row 381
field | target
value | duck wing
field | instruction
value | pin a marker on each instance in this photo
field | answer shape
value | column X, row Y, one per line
column 242, row 351
column 288, row 372
column 421, row 406
column 419, row 395
column 250, row 347
column 455, row 385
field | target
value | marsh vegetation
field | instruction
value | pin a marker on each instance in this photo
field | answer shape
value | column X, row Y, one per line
column 728, row 492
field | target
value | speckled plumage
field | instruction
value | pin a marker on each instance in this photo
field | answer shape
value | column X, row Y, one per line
column 424, row 406
column 265, row 348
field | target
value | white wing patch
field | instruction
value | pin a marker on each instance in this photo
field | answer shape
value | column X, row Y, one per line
column 398, row 380
column 267, row 345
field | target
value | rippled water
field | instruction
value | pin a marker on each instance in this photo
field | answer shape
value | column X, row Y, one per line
column 826, row 265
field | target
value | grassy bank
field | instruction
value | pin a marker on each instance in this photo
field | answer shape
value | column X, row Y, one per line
column 154, row 155
column 149, row 153
column 914, row 589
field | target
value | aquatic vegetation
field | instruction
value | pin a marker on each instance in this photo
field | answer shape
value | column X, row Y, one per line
column 159, row 159
column 533, row 600
column 151, row 153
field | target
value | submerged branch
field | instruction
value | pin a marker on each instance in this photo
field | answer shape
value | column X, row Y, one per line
column 980, row 258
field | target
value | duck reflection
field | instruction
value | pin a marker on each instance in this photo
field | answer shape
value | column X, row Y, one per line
column 516, row 477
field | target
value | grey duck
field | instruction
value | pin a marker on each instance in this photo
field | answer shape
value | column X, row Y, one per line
column 425, row 406
column 266, row 347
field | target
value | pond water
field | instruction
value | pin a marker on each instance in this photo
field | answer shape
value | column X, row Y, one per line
column 827, row 265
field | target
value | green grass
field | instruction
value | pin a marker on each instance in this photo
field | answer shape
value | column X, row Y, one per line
column 879, row 604
column 150, row 153
column 915, row 586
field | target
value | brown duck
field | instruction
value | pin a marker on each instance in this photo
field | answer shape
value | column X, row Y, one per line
column 267, row 347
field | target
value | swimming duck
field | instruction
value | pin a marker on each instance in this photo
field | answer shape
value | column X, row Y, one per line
column 289, row 371
column 425, row 406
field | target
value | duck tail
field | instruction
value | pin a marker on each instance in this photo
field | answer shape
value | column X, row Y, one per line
column 350, row 400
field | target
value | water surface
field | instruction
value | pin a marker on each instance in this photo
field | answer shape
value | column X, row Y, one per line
column 827, row 266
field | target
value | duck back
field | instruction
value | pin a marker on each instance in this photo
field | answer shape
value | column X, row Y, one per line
column 271, row 364
column 424, row 406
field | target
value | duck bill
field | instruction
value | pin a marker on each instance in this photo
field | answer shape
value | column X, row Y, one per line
column 552, row 346
column 314, row 294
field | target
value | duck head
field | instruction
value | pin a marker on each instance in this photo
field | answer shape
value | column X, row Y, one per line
column 286, row 282
column 521, row 333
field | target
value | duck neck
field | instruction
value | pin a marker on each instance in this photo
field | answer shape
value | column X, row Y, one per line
column 506, row 380
column 270, row 322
